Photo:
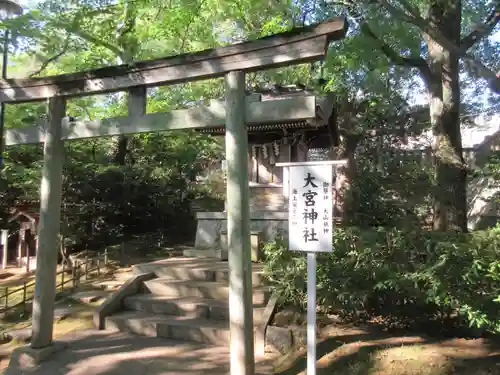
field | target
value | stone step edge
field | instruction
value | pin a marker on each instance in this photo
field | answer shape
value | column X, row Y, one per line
column 200, row 289
column 199, row 284
column 197, row 330
column 175, row 329
column 219, row 254
column 210, row 306
column 207, row 275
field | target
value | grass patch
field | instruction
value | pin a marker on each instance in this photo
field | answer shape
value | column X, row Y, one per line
column 79, row 319
column 105, row 273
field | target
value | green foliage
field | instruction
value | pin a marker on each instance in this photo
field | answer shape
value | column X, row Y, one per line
column 407, row 276
column 490, row 169
column 104, row 203
column 395, row 194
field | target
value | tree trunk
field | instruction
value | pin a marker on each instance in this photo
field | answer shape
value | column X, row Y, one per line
column 450, row 203
column 120, row 154
column 347, row 110
column 345, row 176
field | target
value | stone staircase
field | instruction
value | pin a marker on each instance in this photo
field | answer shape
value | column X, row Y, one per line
column 186, row 300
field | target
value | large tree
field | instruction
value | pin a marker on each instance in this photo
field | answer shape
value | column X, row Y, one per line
column 423, row 38
column 430, row 37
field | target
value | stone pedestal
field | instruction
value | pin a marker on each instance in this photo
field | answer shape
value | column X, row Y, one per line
column 255, row 241
column 28, row 358
column 211, row 226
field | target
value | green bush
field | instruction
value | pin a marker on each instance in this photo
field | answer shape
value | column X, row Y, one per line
column 408, row 276
column 394, row 195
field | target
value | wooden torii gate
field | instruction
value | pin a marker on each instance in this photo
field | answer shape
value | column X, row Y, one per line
column 297, row 46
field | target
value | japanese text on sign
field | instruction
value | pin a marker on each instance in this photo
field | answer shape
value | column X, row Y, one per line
column 310, row 208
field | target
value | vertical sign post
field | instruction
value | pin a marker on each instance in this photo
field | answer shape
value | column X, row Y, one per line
column 310, row 225
column 4, row 240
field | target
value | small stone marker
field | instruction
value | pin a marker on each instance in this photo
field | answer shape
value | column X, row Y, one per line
column 62, row 312
column 279, row 338
column 89, row 296
column 20, row 335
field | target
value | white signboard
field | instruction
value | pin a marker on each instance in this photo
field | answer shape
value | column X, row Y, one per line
column 310, row 208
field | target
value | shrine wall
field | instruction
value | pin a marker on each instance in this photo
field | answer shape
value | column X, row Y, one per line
column 262, row 161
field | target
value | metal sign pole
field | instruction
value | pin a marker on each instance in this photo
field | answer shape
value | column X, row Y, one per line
column 311, row 313
column 309, row 189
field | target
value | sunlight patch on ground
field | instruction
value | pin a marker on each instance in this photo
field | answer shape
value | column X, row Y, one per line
column 351, row 353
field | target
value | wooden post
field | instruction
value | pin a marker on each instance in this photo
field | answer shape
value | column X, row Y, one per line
column 74, row 272
column 62, row 277
column 78, row 273
column 86, row 269
column 27, row 247
column 105, row 257
column 20, row 243
column 238, row 229
column 4, row 241
column 50, row 215
column 24, row 295
column 122, row 254
column 137, row 102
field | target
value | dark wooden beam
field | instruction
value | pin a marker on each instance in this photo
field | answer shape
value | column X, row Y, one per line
column 292, row 47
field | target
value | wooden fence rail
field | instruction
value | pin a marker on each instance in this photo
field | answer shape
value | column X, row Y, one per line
column 80, row 270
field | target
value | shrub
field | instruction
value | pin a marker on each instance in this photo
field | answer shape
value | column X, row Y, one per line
column 408, row 276
column 393, row 195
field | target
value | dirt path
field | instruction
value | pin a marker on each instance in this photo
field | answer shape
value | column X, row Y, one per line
column 341, row 352
column 93, row 352
column 345, row 351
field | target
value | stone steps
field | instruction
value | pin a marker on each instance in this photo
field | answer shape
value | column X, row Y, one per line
column 206, row 253
column 172, row 327
column 122, row 276
column 107, row 284
column 188, row 300
column 196, row 269
column 204, row 274
column 187, row 306
column 200, row 289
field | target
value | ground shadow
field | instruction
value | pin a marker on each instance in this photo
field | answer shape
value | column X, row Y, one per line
column 103, row 353
column 370, row 353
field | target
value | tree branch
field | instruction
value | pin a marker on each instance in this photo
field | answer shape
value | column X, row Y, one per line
column 86, row 36
column 409, row 8
column 412, row 18
column 477, row 68
column 188, row 25
column 125, row 37
column 46, row 63
column 74, row 24
column 482, row 30
column 395, row 57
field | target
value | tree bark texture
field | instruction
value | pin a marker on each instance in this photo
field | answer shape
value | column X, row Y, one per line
column 450, row 203
column 348, row 142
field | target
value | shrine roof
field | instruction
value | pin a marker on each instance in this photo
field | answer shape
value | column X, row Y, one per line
column 28, row 211
column 324, row 108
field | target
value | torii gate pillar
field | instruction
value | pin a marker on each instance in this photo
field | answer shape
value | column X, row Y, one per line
column 238, row 229
column 49, row 226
